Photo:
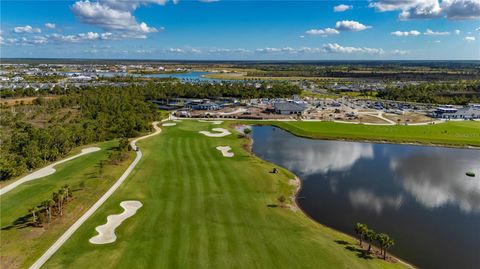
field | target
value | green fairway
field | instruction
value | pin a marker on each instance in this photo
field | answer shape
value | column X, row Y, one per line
column 202, row 210
column 454, row 133
column 22, row 244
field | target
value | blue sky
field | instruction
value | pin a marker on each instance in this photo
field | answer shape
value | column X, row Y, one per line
column 243, row 30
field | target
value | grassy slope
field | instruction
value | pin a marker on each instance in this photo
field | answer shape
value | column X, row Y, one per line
column 21, row 244
column 460, row 133
column 201, row 210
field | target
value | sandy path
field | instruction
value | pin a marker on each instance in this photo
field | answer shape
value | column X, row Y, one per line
column 220, row 132
column 169, row 124
column 225, row 151
column 60, row 241
column 106, row 232
column 216, row 122
column 46, row 171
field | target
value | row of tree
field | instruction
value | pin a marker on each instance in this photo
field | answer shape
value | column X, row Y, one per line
column 51, row 208
column 370, row 236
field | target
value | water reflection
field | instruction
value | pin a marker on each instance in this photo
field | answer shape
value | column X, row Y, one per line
column 308, row 158
column 437, row 179
column 361, row 198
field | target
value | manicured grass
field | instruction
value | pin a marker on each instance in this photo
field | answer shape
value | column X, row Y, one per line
column 202, row 210
column 22, row 244
column 454, row 133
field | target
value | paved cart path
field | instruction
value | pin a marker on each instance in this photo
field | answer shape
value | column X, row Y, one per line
column 49, row 253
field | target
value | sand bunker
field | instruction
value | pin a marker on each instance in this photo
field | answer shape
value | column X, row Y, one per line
column 106, row 232
column 46, row 171
column 216, row 122
column 169, row 124
column 220, row 132
column 225, row 151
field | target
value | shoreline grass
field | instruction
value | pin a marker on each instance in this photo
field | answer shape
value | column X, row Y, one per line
column 450, row 134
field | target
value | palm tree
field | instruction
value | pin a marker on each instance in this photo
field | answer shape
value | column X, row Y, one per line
column 33, row 211
column 370, row 236
column 68, row 192
column 48, row 204
column 361, row 230
column 389, row 244
column 382, row 240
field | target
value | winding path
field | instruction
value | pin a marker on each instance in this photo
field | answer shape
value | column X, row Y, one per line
column 46, row 171
column 49, row 253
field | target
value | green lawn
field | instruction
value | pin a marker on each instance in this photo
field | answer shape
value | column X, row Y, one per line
column 22, row 244
column 202, row 210
column 458, row 133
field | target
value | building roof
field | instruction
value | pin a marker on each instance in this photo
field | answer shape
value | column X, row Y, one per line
column 288, row 106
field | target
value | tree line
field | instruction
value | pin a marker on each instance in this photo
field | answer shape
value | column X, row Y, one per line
column 370, row 236
column 51, row 208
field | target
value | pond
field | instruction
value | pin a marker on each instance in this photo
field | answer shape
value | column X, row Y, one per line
column 192, row 77
column 418, row 195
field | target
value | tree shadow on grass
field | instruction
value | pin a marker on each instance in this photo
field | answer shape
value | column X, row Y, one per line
column 361, row 253
column 20, row 223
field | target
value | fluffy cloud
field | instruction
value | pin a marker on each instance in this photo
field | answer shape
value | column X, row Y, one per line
column 400, row 52
column 276, row 50
column 350, row 26
column 461, row 9
column 27, row 29
column 323, row 32
column 366, row 199
column 90, row 36
column 50, row 25
column 457, row 32
column 115, row 16
column 470, row 38
column 336, row 48
column 342, row 8
column 406, row 33
column 427, row 9
column 430, row 32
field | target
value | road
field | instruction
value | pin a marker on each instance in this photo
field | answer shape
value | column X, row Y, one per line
column 49, row 253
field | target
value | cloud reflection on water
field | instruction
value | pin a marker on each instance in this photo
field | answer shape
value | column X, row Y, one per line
column 369, row 200
column 312, row 158
column 436, row 180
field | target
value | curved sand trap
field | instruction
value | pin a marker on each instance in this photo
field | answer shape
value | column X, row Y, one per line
column 106, row 232
column 225, row 151
column 169, row 124
column 216, row 122
column 46, row 171
column 220, row 132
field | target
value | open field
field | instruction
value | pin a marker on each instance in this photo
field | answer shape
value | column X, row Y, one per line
column 202, row 210
column 453, row 133
column 21, row 243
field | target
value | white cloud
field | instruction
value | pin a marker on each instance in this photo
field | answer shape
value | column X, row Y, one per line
column 302, row 36
column 350, row 26
column 400, row 52
column 430, row 32
column 342, row 8
column 26, row 29
column 208, row 1
column 406, row 33
column 322, row 32
column 276, row 50
column 428, row 9
column 50, row 25
column 115, row 16
column 336, row 48
column 470, row 38
column 461, row 9
column 457, row 32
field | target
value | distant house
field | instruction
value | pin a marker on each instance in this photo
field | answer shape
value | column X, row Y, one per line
column 288, row 108
column 203, row 106
column 448, row 112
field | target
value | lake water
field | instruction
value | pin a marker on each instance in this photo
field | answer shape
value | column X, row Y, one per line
column 195, row 76
column 420, row 196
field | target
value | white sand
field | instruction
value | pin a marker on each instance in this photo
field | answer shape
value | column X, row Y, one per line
column 106, row 232
column 46, row 171
column 216, row 122
column 225, row 151
column 169, row 124
column 220, row 132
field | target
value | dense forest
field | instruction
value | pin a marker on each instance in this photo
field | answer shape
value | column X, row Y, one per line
column 438, row 93
column 35, row 135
